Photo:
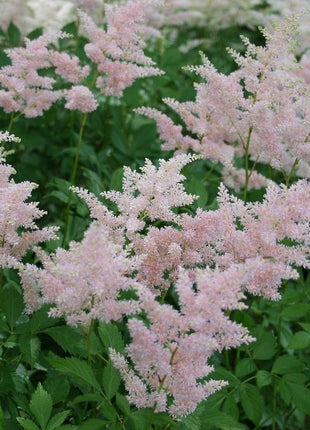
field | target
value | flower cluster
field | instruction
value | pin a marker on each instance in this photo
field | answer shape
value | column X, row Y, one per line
column 209, row 259
column 18, row 230
column 259, row 111
column 22, row 87
column 118, row 54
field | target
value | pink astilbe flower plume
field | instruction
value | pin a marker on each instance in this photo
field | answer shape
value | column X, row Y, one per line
column 260, row 111
column 210, row 260
column 170, row 352
column 24, row 90
column 82, row 292
column 118, row 50
column 18, row 230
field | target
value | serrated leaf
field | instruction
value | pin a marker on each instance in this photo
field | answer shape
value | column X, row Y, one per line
column 221, row 373
column 221, row 420
column 30, row 346
column 57, row 420
column 40, row 320
column 108, row 411
column 300, row 396
column 93, row 424
column 14, row 34
column 305, row 326
column 27, row 424
column 287, row 364
column 41, row 405
column 245, row 367
column 296, row 311
column 123, row 404
column 89, row 397
column 192, row 422
column 252, row 402
column 263, row 378
column 111, row 337
column 111, row 380
column 284, row 391
column 230, row 407
column 68, row 339
column 265, row 347
column 77, row 369
column 12, row 304
column 141, row 419
column 300, row 340
column 57, row 386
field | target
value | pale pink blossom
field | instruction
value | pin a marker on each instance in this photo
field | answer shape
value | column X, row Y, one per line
column 80, row 98
column 18, row 229
column 23, row 89
column 118, row 50
column 82, row 292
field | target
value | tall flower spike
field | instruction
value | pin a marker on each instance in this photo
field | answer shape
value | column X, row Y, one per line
column 170, row 352
column 23, row 89
column 118, row 50
column 18, row 231
column 260, row 111
column 82, row 292
column 152, row 193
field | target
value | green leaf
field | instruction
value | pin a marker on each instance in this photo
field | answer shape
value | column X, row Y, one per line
column 264, row 347
column 108, row 411
column 245, row 367
column 296, row 311
column 116, row 182
column 300, row 340
column 68, row 339
column 40, row 320
column 111, row 380
column 57, row 420
column 111, row 337
column 252, row 402
column 89, row 397
column 30, row 346
column 77, row 369
column 221, row 373
column 263, row 378
column 230, row 407
column 14, row 34
column 300, row 396
column 57, row 386
column 287, row 364
column 192, row 422
column 305, row 326
column 221, row 420
column 284, row 390
column 12, row 304
column 27, row 424
column 93, row 424
column 123, row 404
column 141, row 419
column 41, row 406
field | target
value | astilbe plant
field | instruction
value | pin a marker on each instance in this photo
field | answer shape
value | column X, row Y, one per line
column 119, row 54
column 18, row 229
column 210, row 260
column 25, row 90
column 259, row 112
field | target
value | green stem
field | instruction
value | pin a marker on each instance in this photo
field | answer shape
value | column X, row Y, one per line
column 246, row 163
column 73, row 177
column 274, row 405
column 288, row 178
column 12, row 120
column 89, row 341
